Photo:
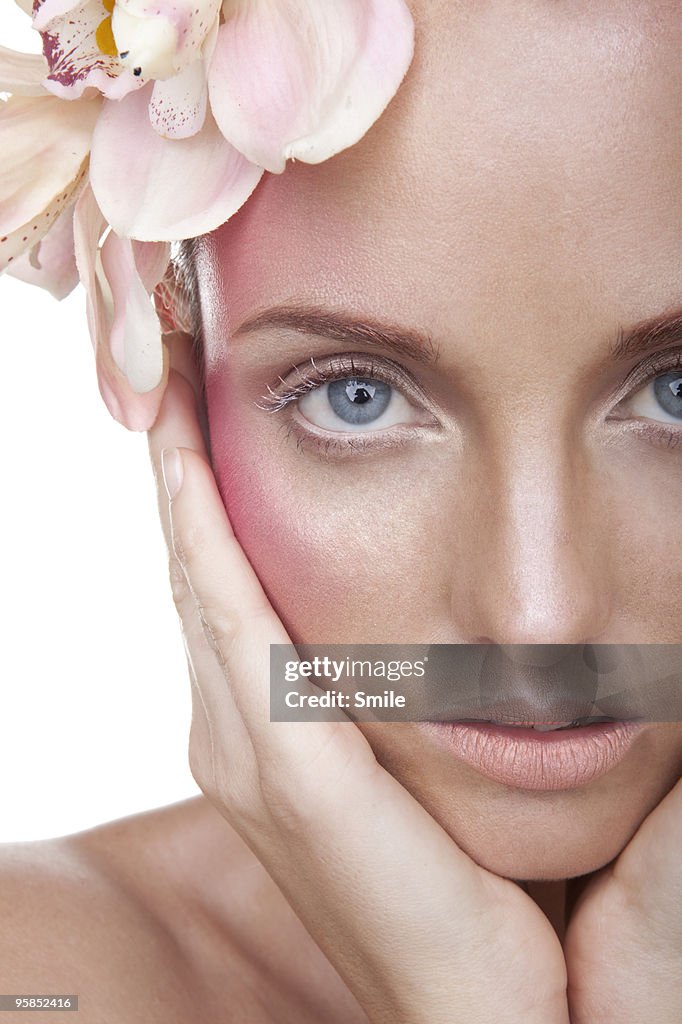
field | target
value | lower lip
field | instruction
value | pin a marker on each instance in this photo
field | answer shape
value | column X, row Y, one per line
column 528, row 759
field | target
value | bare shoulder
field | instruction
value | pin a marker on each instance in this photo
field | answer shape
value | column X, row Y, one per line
column 74, row 921
column 163, row 916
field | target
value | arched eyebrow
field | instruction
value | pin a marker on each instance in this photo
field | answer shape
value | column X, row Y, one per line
column 345, row 327
column 648, row 336
column 642, row 338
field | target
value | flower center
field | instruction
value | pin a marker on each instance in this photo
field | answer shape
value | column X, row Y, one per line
column 104, row 35
column 149, row 43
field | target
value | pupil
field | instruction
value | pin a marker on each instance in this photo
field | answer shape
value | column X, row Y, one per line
column 359, row 393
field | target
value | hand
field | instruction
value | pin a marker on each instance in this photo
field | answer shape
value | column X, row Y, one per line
column 623, row 943
column 419, row 932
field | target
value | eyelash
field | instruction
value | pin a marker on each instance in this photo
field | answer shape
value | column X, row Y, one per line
column 312, row 375
column 337, row 367
column 657, row 364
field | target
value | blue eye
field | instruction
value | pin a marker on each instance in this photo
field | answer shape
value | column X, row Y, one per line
column 355, row 403
column 660, row 399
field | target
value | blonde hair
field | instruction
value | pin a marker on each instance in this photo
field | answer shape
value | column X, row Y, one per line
column 177, row 300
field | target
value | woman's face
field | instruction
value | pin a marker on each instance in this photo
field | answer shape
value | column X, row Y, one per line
column 510, row 224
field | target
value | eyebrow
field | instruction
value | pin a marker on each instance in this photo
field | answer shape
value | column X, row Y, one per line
column 344, row 327
column 642, row 338
column 648, row 336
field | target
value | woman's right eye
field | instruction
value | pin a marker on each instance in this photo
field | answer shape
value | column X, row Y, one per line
column 660, row 399
column 356, row 403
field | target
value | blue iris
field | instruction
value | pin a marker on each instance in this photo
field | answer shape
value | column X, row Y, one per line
column 358, row 400
column 668, row 391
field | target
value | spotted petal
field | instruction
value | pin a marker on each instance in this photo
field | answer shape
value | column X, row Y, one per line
column 51, row 263
column 131, row 360
column 177, row 109
column 304, row 79
column 156, row 189
column 76, row 62
column 44, row 144
column 22, row 73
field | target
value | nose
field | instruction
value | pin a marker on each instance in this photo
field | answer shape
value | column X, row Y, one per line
column 536, row 561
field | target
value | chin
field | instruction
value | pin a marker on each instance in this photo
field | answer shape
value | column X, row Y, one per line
column 532, row 835
column 535, row 856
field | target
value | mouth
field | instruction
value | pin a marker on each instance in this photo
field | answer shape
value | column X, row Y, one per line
column 543, row 726
column 534, row 754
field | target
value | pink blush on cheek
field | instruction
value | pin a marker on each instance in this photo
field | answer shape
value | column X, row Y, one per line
column 292, row 544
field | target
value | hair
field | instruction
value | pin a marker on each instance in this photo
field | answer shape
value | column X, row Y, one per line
column 177, row 301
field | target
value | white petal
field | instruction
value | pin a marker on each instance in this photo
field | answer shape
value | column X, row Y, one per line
column 22, row 73
column 44, row 144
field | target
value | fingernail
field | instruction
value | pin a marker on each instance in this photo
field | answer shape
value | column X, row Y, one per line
column 171, row 465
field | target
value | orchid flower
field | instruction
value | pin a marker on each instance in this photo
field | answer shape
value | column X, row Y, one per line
column 133, row 99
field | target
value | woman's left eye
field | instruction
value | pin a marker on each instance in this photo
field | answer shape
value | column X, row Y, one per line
column 660, row 399
column 356, row 403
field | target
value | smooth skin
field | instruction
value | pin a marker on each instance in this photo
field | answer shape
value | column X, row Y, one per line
column 418, row 930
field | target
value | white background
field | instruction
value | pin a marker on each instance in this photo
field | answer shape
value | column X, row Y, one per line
column 94, row 695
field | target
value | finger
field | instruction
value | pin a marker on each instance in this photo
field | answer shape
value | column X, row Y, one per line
column 654, row 854
column 180, row 421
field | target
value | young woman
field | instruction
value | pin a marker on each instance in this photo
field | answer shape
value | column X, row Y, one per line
column 498, row 264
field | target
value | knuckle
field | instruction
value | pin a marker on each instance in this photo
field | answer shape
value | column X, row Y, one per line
column 190, row 543
column 178, row 582
column 221, row 628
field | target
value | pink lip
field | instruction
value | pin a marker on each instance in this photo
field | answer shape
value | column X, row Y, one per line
column 528, row 759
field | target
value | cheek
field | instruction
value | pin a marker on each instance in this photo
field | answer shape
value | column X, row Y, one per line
column 337, row 563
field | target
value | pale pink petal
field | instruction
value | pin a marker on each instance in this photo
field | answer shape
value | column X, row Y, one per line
column 75, row 60
column 156, row 189
column 25, row 5
column 177, row 109
column 51, row 264
column 114, row 310
column 44, row 144
column 151, row 261
column 22, row 73
column 304, row 79
column 135, row 337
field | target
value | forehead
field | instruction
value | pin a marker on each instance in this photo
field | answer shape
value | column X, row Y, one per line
column 533, row 150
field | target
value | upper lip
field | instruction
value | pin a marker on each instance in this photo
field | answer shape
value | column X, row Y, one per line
column 520, row 712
